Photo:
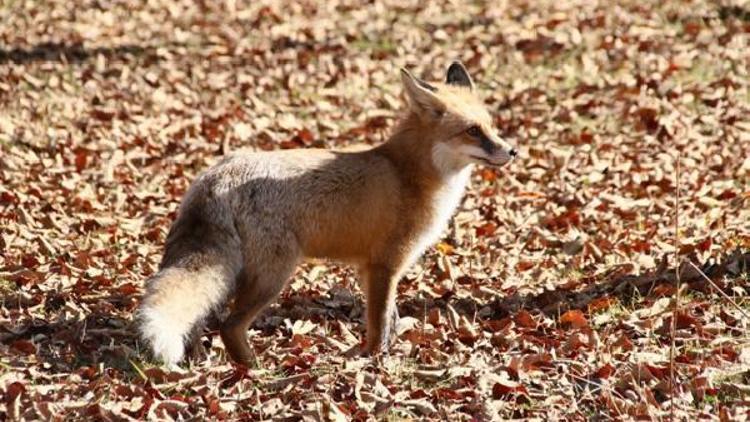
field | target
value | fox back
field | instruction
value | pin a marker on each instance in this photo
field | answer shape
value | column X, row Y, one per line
column 245, row 223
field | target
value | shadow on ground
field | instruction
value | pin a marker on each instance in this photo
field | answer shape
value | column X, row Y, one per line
column 61, row 52
column 105, row 337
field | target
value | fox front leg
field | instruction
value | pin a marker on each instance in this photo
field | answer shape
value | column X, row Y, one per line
column 382, row 315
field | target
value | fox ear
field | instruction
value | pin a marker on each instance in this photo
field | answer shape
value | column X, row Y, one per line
column 422, row 95
column 457, row 75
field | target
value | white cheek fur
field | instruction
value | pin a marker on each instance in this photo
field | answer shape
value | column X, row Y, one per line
column 449, row 159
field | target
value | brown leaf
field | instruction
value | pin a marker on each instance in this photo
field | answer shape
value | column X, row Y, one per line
column 502, row 389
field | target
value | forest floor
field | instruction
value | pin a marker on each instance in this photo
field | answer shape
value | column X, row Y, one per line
column 554, row 292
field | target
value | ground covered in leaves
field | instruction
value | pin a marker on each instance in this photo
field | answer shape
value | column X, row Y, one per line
column 553, row 292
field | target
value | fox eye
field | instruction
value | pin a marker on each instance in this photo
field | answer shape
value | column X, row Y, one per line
column 474, row 131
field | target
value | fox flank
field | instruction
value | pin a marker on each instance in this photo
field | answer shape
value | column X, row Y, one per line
column 246, row 223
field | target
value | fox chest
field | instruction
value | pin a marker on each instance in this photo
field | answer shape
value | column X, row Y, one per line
column 441, row 207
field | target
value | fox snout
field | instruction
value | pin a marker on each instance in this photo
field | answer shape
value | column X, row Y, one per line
column 495, row 151
column 504, row 152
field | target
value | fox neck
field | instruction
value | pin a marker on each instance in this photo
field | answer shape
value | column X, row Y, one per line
column 413, row 149
column 433, row 181
column 429, row 170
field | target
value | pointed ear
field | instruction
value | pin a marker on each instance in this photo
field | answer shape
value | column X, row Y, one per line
column 457, row 75
column 422, row 95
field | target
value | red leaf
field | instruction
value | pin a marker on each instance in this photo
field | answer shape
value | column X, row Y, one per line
column 641, row 246
column 663, row 290
column 433, row 317
column 156, row 374
column 305, row 136
column 14, row 390
column 704, row 244
column 601, row 303
column 302, row 341
column 8, row 198
column 624, row 343
column 81, row 158
column 448, row 394
column 685, row 320
column 213, row 406
column 523, row 266
column 24, row 277
column 486, row 229
column 648, row 119
column 488, row 174
column 102, row 114
column 23, row 346
column 467, row 335
column 495, row 325
column 605, row 371
column 130, row 260
column 727, row 194
column 377, row 122
column 726, row 352
column 127, row 289
column 291, row 144
column 87, row 373
column 152, row 391
column 240, row 372
column 577, row 341
column 524, row 319
column 661, row 373
column 692, row 27
column 574, row 318
column 298, row 364
column 29, row 261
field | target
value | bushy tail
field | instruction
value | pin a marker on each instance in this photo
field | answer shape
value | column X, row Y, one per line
column 176, row 302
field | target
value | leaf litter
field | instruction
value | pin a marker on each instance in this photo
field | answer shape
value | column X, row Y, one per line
column 552, row 292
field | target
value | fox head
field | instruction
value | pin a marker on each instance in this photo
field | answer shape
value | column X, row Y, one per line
column 456, row 121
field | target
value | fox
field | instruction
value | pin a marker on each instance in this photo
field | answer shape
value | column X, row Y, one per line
column 245, row 224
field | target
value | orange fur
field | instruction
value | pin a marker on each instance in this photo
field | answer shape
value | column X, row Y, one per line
column 248, row 221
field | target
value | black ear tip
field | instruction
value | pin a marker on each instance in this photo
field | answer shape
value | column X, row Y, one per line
column 458, row 75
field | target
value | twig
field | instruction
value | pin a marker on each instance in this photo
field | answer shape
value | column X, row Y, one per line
column 676, row 306
column 721, row 292
column 138, row 370
column 599, row 385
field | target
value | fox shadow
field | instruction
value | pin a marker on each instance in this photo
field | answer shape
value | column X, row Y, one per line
column 342, row 304
column 71, row 342
column 71, row 53
column 108, row 336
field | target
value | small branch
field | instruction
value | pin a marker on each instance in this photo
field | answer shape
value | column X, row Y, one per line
column 721, row 292
column 676, row 307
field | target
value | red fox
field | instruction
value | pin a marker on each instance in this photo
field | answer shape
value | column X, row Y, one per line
column 246, row 223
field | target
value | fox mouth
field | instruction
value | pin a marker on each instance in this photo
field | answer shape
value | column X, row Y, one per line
column 488, row 162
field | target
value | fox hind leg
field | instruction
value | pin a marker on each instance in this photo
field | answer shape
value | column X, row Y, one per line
column 255, row 290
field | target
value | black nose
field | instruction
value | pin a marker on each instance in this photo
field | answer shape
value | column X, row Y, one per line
column 513, row 152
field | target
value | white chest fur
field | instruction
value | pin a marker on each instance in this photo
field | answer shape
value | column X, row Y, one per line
column 443, row 205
